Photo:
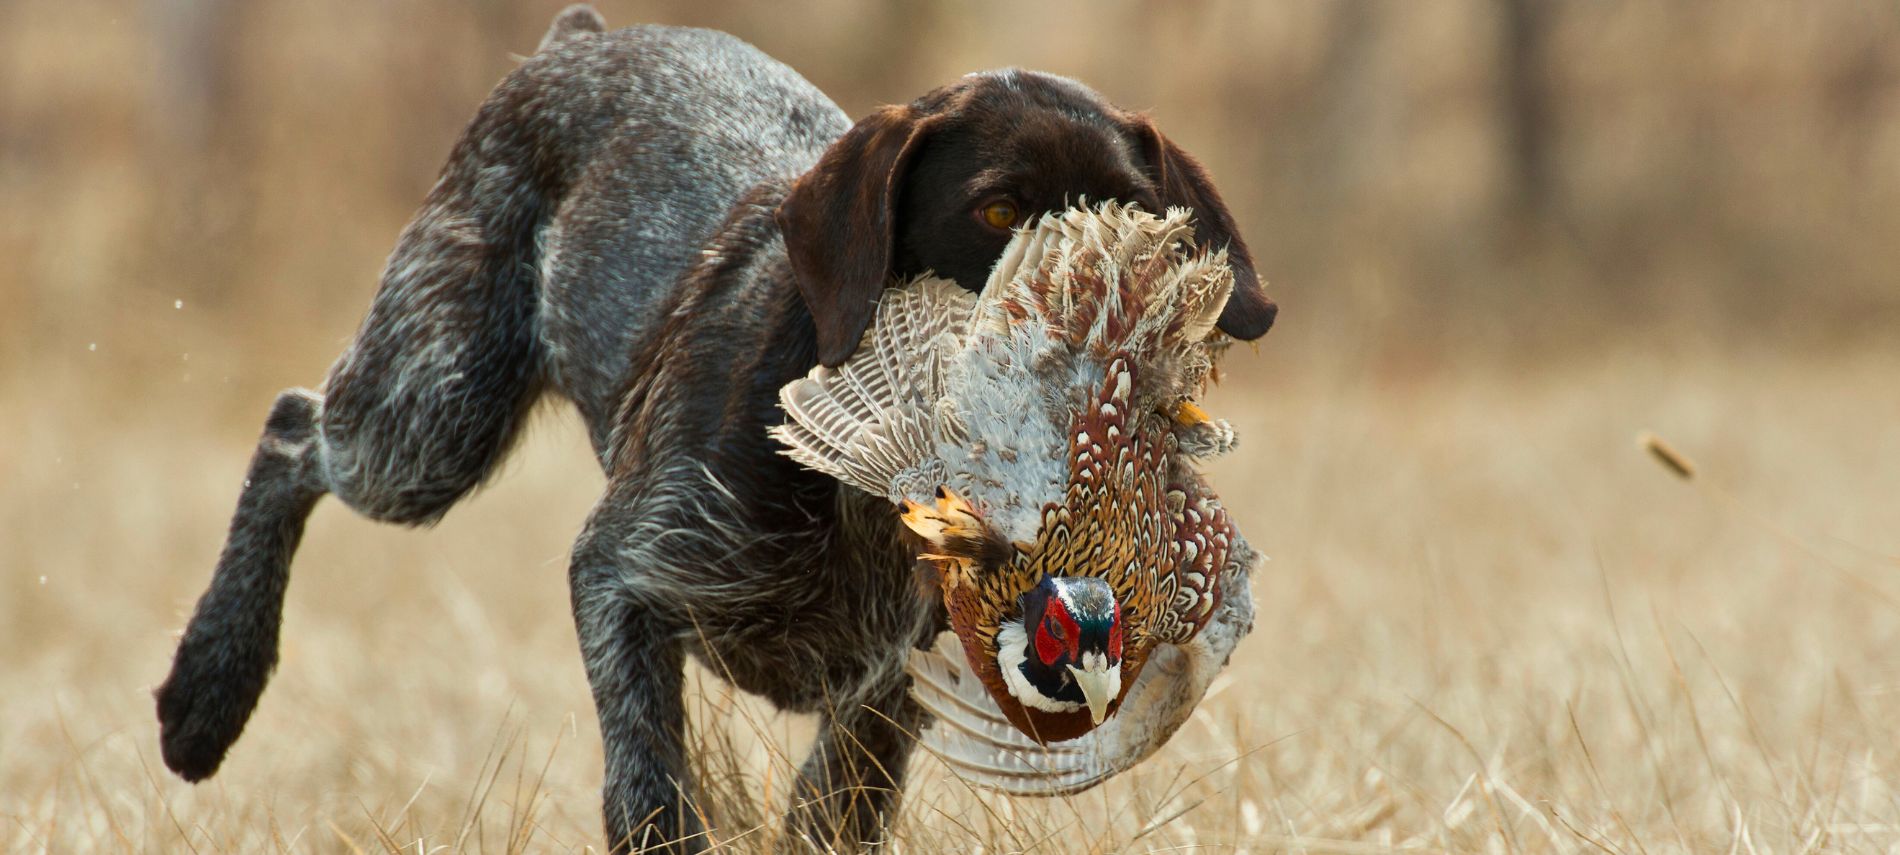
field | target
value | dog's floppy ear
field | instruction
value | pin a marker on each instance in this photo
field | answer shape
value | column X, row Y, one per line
column 839, row 225
column 1182, row 182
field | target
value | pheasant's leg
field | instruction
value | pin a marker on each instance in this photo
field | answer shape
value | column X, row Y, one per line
column 850, row 784
column 634, row 666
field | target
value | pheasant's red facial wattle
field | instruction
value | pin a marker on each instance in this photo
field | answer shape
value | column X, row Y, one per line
column 1058, row 636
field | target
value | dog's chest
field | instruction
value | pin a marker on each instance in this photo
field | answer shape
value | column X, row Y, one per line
column 830, row 628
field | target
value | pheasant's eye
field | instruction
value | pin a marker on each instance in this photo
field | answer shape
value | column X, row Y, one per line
column 1049, row 647
column 1000, row 214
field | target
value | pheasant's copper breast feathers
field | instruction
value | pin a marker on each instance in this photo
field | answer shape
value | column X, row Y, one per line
column 1045, row 427
column 1201, row 539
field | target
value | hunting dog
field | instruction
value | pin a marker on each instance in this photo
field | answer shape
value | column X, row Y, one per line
column 664, row 226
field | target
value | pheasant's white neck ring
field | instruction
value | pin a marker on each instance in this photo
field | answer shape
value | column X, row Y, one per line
column 1012, row 650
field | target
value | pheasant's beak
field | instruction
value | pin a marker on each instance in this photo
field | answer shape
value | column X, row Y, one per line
column 1100, row 684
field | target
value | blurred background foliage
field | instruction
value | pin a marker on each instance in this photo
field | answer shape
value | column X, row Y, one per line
column 1489, row 179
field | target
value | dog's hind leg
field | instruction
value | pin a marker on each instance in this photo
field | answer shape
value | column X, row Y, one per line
column 421, row 407
column 231, row 644
column 410, row 425
column 418, row 412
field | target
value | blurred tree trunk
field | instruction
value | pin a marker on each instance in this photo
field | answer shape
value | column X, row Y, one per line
column 194, row 42
column 201, row 146
column 1524, row 105
column 1350, row 127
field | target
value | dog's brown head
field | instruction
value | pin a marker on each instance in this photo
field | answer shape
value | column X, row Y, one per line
column 934, row 186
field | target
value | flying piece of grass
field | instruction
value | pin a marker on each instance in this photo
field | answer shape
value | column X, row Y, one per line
column 1666, row 455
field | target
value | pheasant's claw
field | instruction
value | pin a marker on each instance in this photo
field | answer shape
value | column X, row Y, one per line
column 923, row 521
column 952, row 516
column 951, row 505
column 1189, row 414
column 1201, row 435
column 952, row 519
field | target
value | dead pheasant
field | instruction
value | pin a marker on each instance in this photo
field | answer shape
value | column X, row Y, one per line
column 1038, row 440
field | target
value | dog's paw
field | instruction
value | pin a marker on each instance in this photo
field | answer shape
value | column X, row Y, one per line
column 202, row 708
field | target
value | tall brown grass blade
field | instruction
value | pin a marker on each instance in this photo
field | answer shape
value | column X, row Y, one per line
column 1596, row 780
column 1587, row 837
column 82, row 768
column 1484, row 778
column 376, row 826
column 1160, row 822
column 170, row 814
column 344, row 838
column 1688, row 699
column 1639, row 710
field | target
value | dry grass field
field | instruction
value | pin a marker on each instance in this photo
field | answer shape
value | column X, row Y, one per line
column 1490, row 623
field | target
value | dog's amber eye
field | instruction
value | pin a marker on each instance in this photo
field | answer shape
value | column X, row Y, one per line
column 1000, row 214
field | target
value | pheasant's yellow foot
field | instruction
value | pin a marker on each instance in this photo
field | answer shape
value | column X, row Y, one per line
column 1188, row 413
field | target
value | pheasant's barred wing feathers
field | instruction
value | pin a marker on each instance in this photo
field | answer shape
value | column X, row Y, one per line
column 983, row 389
column 871, row 422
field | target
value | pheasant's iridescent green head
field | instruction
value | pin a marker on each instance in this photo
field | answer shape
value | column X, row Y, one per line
column 1065, row 653
column 1037, row 440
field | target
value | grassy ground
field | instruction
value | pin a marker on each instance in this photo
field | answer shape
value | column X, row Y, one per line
column 1490, row 623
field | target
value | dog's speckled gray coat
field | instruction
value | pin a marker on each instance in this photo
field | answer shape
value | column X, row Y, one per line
column 609, row 230
column 623, row 154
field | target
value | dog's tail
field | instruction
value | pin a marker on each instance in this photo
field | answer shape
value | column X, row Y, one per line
column 418, row 410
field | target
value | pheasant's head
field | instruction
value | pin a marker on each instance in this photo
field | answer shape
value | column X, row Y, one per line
column 1066, row 651
column 1036, row 439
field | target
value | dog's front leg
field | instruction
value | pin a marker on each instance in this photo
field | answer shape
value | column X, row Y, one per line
column 851, row 783
column 634, row 664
